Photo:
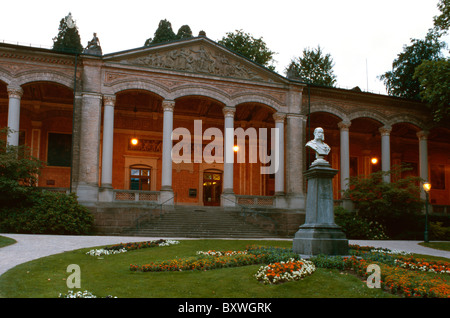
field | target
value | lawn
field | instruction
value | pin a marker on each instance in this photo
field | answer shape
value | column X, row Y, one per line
column 111, row 275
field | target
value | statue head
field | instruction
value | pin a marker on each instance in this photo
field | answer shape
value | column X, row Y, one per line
column 318, row 134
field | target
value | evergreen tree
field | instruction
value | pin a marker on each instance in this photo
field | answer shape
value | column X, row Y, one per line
column 68, row 39
column 164, row 33
column 184, row 32
column 313, row 67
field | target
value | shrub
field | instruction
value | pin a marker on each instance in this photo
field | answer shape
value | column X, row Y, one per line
column 395, row 205
column 358, row 228
column 50, row 213
column 439, row 232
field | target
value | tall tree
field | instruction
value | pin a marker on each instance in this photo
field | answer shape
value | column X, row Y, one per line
column 184, row 32
column 68, row 39
column 250, row 47
column 314, row 67
column 164, row 33
column 400, row 81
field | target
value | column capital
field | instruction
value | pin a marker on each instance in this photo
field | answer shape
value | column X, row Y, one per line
column 15, row 91
column 423, row 134
column 385, row 130
column 109, row 100
column 168, row 105
column 344, row 125
column 229, row 111
column 279, row 117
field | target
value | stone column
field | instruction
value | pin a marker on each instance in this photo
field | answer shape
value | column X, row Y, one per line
column 386, row 151
column 345, row 153
column 87, row 188
column 15, row 94
column 295, row 135
column 228, row 197
column 166, row 177
column 279, row 157
column 423, row 157
column 107, row 153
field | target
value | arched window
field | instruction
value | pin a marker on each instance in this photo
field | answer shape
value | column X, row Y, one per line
column 140, row 177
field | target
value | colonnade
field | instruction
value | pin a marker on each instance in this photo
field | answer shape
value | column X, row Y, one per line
column 288, row 177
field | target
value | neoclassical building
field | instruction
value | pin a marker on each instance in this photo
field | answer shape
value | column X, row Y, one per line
column 79, row 113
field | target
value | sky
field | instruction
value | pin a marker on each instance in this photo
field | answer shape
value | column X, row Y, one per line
column 363, row 37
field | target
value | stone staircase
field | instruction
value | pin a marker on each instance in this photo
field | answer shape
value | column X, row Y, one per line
column 199, row 222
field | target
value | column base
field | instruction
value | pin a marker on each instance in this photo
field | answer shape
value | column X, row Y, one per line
column 106, row 194
column 166, row 196
column 228, row 199
column 87, row 192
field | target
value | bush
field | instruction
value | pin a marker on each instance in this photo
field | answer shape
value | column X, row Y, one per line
column 358, row 228
column 395, row 205
column 439, row 232
column 50, row 213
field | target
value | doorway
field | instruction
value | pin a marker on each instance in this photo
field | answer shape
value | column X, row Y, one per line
column 212, row 188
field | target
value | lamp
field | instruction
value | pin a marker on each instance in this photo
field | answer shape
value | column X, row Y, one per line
column 374, row 160
column 235, row 148
column 426, row 187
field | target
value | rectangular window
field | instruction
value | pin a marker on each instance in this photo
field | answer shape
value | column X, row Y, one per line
column 59, row 149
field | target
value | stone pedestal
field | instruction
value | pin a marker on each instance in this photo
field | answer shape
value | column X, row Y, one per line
column 319, row 234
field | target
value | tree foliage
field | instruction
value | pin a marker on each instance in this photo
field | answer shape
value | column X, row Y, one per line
column 442, row 21
column 165, row 33
column 434, row 80
column 400, row 81
column 68, row 39
column 314, row 66
column 250, row 47
column 18, row 172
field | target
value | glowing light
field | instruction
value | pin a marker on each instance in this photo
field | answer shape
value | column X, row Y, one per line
column 235, row 148
column 134, row 141
column 374, row 161
column 427, row 186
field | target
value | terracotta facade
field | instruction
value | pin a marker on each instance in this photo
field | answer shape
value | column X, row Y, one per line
column 92, row 106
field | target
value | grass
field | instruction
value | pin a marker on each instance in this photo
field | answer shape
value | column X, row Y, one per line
column 110, row 275
column 5, row 241
column 445, row 246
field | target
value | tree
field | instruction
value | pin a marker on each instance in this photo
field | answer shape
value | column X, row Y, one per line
column 184, row 32
column 68, row 39
column 400, row 81
column 434, row 80
column 442, row 21
column 164, row 33
column 313, row 67
column 250, row 47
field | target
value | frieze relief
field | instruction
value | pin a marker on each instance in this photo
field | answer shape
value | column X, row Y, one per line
column 199, row 60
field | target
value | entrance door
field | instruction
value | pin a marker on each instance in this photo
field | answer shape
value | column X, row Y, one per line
column 212, row 188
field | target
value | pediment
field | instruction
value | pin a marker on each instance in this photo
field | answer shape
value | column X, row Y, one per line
column 197, row 55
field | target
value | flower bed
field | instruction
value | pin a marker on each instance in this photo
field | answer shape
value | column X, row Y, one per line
column 281, row 272
column 203, row 262
column 124, row 247
column 399, row 274
column 423, row 265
